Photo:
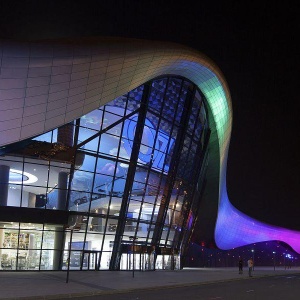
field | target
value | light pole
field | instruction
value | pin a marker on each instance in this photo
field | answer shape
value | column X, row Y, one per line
column 274, row 259
column 69, row 254
column 133, row 239
column 70, row 229
column 253, row 258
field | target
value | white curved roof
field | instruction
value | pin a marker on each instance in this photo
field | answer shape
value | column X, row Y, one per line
column 44, row 85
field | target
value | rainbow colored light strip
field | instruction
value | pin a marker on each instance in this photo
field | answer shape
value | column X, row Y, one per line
column 234, row 228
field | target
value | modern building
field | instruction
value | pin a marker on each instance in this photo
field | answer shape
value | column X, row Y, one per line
column 113, row 154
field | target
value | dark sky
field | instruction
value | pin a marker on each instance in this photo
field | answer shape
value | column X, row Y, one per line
column 253, row 43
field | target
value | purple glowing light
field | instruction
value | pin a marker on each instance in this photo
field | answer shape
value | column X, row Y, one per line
column 235, row 229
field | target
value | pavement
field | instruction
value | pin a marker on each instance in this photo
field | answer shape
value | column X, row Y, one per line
column 52, row 284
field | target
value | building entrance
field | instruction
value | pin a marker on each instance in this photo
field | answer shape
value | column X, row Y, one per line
column 90, row 260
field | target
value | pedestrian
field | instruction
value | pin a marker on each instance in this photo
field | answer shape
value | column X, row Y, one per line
column 241, row 266
column 250, row 266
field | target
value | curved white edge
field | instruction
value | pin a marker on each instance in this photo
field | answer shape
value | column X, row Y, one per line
column 47, row 84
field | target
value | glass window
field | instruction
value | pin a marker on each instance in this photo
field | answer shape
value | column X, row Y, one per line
column 92, row 145
column 14, row 195
column 112, row 224
column 116, row 130
column 50, row 137
column 84, row 134
column 101, row 175
column 111, row 116
column 109, row 144
column 92, row 120
column 88, row 163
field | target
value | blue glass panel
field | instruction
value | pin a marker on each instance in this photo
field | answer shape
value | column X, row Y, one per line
column 110, row 118
column 109, row 144
column 92, row 120
column 118, row 102
column 103, row 183
column 171, row 98
column 157, row 93
column 193, row 115
column 129, row 127
column 88, row 163
column 84, row 134
column 137, row 93
column 132, row 105
column 179, row 110
column 198, row 131
column 187, row 141
column 91, row 145
column 116, row 130
column 114, row 110
column 202, row 115
column 50, row 137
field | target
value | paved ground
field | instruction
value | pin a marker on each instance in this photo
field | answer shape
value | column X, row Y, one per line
column 52, row 285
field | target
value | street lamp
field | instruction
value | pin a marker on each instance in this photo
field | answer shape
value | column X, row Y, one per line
column 253, row 259
column 133, row 239
column 69, row 254
column 70, row 229
column 274, row 259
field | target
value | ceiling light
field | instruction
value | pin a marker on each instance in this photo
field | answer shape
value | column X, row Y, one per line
column 25, row 177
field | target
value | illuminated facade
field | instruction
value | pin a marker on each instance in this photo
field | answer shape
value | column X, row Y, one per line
column 108, row 148
column 129, row 170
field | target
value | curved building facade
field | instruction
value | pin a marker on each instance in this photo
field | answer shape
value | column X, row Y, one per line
column 129, row 171
column 109, row 147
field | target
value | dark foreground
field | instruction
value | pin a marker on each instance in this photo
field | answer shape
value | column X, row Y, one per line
column 186, row 284
column 286, row 287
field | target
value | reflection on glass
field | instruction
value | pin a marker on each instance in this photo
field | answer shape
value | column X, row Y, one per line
column 106, row 191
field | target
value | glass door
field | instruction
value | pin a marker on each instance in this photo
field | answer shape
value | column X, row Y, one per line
column 90, row 260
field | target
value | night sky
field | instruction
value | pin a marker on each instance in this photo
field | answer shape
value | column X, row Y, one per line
column 255, row 47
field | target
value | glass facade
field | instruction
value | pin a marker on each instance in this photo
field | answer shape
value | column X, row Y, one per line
column 27, row 246
column 128, row 174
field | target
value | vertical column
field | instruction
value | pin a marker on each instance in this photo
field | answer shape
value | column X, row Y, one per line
column 116, row 254
column 62, row 190
column 4, row 182
column 31, row 200
column 171, row 177
column 31, row 244
column 65, row 134
column 59, row 240
column 1, row 242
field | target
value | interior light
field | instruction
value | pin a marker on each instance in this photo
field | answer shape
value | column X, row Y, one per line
column 27, row 177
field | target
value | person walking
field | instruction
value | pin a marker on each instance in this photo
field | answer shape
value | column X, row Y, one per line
column 250, row 266
column 241, row 266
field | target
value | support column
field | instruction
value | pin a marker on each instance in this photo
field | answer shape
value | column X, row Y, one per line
column 4, row 183
column 1, row 242
column 59, row 241
column 116, row 253
column 65, row 134
column 31, row 245
column 62, row 190
column 31, row 200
